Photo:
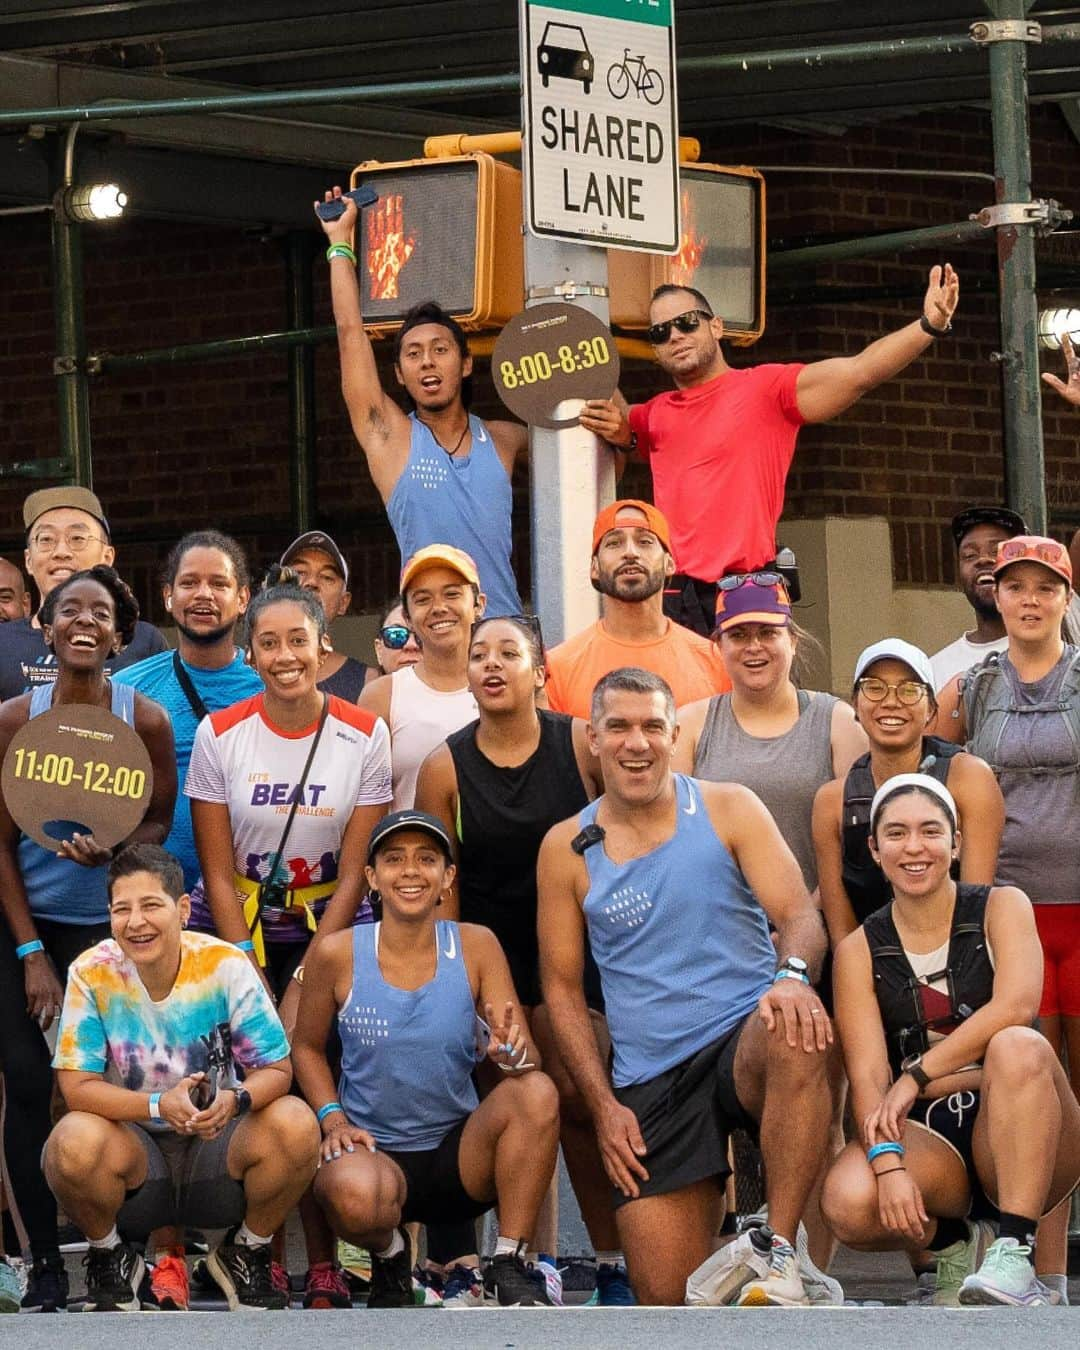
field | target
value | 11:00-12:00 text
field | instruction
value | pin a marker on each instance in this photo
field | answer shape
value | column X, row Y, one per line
column 95, row 776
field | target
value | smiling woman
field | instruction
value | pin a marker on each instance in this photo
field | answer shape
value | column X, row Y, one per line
column 55, row 904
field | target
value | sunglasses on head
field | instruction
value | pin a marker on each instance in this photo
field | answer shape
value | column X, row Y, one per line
column 529, row 621
column 1017, row 550
column 737, row 579
column 395, row 636
column 658, row 333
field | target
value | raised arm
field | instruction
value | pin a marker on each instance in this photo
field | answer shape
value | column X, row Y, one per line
column 378, row 424
column 825, row 388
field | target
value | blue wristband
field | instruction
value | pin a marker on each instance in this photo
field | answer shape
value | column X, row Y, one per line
column 327, row 1110
column 29, row 948
column 246, row 946
column 155, row 1106
column 880, row 1149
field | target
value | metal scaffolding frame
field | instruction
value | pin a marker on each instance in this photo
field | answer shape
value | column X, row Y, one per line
column 1014, row 219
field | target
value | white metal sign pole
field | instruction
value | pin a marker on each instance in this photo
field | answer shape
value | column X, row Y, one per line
column 600, row 170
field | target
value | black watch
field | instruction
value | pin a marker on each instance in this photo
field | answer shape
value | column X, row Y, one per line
column 243, row 1100
column 912, row 1066
column 929, row 329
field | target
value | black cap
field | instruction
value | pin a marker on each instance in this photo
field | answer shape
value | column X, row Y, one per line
column 987, row 515
column 320, row 540
column 409, row 820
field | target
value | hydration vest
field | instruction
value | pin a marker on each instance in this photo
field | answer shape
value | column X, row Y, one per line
column 988, row 700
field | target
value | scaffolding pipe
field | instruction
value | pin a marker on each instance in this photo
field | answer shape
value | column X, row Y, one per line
column 220, row 349
column 1025, row 472
column 300, row 249
column 898, row 241
column 69, row 366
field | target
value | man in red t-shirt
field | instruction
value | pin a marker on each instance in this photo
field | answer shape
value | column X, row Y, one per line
column 721, row 443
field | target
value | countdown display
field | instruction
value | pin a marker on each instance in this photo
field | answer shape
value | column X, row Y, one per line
column 76, row 769
column 549, row 359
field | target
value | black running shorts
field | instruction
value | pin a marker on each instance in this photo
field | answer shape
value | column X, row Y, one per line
column 952, row 1119
column 686, row 1115
column 434, row 1189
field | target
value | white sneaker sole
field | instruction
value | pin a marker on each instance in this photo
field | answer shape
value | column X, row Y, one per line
column 987, row 1296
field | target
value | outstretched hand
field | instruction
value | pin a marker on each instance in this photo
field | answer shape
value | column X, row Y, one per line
column 338, row 231
column 942, row 296
column 1068, row 388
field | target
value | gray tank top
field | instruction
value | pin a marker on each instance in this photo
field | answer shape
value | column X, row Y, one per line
column 785, row 771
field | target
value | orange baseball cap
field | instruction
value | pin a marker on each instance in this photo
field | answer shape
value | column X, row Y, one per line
column 439, row 555
column 1035, row 548
column 608, row 519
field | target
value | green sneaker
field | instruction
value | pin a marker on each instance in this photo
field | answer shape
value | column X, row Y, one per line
column 10, row 1289
column 1007, row 1276
column 956, row 1262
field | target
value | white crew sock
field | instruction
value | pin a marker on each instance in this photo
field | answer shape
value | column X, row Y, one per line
column 508, row 1246
column 110, row 1240
column 397, row 1244
column 610, row 1259
column 246, row 1238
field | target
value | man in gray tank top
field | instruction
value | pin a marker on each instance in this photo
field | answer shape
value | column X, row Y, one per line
column 712, row 1027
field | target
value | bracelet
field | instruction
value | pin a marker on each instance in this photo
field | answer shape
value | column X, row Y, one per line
column 890, row 1146
column 29, row 948
column 888, row 1170
column 341, row 251
column 328, row 1110
column 155, row 1106
column 246, row 946
column 929, row 329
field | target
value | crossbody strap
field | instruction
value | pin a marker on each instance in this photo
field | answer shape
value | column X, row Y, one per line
column 183, row 679
column 297, row 794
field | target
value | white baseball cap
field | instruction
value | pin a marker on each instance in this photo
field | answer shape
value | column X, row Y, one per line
column 898, row 650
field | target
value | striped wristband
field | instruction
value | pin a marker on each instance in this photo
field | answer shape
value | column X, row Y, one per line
column 327, row 1110
column 340, row 251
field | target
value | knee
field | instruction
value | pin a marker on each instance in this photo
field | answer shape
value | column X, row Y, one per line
column 293, row 1127
column 75, row 1147
column 538, row 1100
column 795, row 1065
column 1016, row 1055
column 849, row 1203
column 361, row 1205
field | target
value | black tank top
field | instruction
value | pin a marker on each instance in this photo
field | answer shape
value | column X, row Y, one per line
column 864, row 880
column 346, row 683
column 503, row 815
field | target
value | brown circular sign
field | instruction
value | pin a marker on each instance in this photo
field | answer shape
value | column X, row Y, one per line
column 549, row 359
column 76, row 769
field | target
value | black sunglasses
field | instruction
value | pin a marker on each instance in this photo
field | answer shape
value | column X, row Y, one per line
column 658, row 333
column 396, row 636
column 737, row 579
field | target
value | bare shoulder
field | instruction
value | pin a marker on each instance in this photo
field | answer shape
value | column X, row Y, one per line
column 14, row 713
column 375, row 697
column 691, row 716
column 511, row 438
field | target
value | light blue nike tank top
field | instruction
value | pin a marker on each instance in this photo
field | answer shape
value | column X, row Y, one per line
column 407, row 1055
column 444, row 499
column 682, row 944
column 56, row 887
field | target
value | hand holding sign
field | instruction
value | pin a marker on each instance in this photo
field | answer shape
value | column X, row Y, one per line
column 77, row 780
column 550, row 356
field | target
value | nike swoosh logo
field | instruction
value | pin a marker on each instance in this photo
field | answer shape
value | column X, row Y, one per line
column 452, row 952
column 691, row 810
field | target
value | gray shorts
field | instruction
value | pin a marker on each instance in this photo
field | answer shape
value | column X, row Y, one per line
column 187, row 1184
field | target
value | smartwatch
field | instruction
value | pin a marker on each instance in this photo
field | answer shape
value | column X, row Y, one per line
column 243, row 1100
column 794, row 968
column 912, row 1066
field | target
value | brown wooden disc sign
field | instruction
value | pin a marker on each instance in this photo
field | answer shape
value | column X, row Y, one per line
column 549, row 359
column 76, row 769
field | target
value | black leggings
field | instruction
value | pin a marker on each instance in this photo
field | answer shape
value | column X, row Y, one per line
column 28, row 1076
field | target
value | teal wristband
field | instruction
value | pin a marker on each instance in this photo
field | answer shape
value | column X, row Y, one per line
column 340, row 251
column 327, row 1110
column 29, row 948
column 246, row 946
column 155, row 1106
column 879, row 1150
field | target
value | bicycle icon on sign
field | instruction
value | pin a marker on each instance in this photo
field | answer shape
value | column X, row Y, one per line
column 645, row 82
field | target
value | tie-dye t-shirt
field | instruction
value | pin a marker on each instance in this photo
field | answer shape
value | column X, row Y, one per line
column 110, row 1025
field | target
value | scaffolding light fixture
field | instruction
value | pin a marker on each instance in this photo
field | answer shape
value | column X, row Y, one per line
column 92, row 202
column 1056, row 323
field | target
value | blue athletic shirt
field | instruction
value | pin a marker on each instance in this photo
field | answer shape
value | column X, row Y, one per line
column 460, row 500
column 407, row 1055
column 681, row 941
column 218, row 689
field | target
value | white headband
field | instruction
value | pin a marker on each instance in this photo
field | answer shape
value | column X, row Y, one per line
column 924, row 783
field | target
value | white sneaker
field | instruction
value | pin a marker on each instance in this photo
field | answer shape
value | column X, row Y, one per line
column 464, row 1288
column 822, row 1290
column 783, row 1286
column 958, row 1261
column 1007, row 1276
column 545, row 1266
column 717, row 1281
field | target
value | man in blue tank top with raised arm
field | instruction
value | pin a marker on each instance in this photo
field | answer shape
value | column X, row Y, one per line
column 443, row 475
column 712, row 1026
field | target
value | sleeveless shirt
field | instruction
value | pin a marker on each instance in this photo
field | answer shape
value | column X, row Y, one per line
column 420, row 719
column 784, row 771
column 682, row 944
column 347, row 682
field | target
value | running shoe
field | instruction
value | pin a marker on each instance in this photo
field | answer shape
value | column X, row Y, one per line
column 823, row 1291
column 513, row 1284
column 1007, row 1276
column 719, row 1281
column 169, row 1284
column 547, row 1268
column 782, row 1286
column 245, row 1276
column 427, row 1287
column 113, row 1277
column 10, row 1289
column 325, row 1287
column 355, row 1263
column 464, row 1288
column 922, row 1296
column 613, row 1287
column 391, row 1279
column 956, row 1262
column 579, row 1281
column 46, row 1286
column 279, row 1278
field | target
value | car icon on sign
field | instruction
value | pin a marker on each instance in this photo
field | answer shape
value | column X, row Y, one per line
column 564, row 53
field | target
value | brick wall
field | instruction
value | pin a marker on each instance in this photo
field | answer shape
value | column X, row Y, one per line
column 180, row 446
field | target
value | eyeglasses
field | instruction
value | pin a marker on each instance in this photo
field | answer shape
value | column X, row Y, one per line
column 1046, row 550
column 658, row 333
column 48, row 541
column 396, row 636
column 737, row 579
column 907, row 691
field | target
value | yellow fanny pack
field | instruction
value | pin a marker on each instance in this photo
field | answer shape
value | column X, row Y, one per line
column 303, row 897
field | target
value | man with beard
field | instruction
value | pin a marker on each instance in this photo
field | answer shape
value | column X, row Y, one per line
column 720, row 444
column 977, row 533
column 14, row 597
column 443, row 475
column 630, row 564
column 206, row 590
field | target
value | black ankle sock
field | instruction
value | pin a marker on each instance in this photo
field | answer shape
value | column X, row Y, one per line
column 948, row 1232
column 1018, row 1227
